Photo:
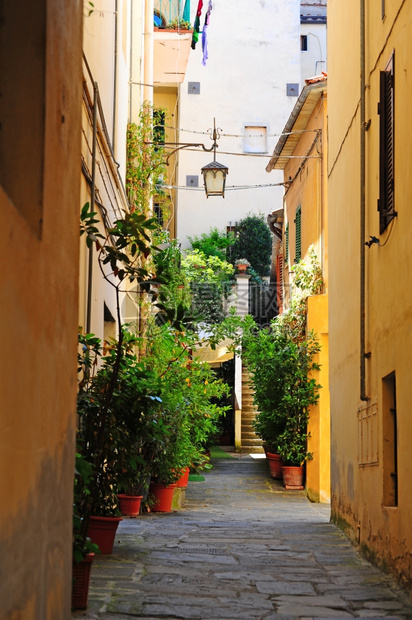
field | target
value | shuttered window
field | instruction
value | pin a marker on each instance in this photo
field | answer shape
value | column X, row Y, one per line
column 298, row 244
column 386, row 202
column 279, row 282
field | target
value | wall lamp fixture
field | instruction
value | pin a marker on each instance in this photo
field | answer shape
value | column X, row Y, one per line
column 214, row 174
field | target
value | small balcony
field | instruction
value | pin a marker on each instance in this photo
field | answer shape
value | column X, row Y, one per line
column 171, row 40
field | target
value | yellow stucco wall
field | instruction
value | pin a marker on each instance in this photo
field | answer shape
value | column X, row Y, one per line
column 38, row 300
column 360, row 437
column 309, row 191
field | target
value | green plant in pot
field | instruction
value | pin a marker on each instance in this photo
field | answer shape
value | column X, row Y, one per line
column 281, row 367
column 82, row 545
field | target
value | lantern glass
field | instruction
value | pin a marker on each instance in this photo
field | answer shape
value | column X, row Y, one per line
column 214, row 176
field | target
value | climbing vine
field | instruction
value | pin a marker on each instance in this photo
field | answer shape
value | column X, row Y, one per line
column 145, row 166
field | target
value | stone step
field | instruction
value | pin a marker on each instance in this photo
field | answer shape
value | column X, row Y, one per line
column 251, row 442
column 247, row 418
column 250, row 435
column 247, row 400
column 251, row 450
column 249, row 409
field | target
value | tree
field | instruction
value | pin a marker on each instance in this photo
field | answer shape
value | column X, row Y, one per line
column 254, row 242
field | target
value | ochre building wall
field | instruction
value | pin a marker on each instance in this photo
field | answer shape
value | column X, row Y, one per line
column 364, row 443
column 38, row 301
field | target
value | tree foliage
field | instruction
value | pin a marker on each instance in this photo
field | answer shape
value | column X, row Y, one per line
column 253, row 240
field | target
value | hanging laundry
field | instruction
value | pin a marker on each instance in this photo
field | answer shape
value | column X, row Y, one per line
column 204, row 34
column 186, row 11
column 196, row 27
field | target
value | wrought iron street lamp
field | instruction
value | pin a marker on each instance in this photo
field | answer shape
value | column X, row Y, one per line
column 214, row 174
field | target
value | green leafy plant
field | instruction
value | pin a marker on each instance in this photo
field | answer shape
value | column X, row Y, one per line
column 82, row 545
column 214, row 243
column 284, row 389
column 179, row 23
column 210, row 282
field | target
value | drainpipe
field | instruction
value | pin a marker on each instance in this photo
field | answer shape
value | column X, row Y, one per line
column 92, row 203
column 363, row 395
column 148, row 52
column 115, row 76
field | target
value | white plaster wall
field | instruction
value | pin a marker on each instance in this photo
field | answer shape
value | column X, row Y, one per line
column 254, row 51
column 314, row 60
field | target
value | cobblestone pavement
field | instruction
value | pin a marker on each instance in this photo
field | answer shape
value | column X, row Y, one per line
column 241, row 547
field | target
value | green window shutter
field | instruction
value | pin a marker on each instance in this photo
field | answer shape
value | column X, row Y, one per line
column 287, row 242
column 298, row 244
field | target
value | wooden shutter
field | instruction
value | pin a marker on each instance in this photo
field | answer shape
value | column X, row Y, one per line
column 298, row 224
column 279, row 282
column 386, row 202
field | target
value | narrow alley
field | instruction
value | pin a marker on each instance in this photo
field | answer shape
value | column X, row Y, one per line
column 241, row 547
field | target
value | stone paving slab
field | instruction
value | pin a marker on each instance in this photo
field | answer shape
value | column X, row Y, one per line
column 240, row 547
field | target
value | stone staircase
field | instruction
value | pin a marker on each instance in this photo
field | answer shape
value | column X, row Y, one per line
column 250, row 443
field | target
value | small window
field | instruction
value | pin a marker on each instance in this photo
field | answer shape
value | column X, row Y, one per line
column 390, row 448
column 304, row 43
column 255, row 139
column 383, row 9
column 386, row 202
column 158, row 213
column 159, row 129
column 298, row 245
column 22, row 107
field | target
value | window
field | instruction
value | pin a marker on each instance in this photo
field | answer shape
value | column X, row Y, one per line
column 298, row 244
column 390, row 449
column 383, row 9
column 386, row 202
column 255, row 139
column 279, row 282
column 22, row 106
column 304, row 43
column 159, row 130
column 158, row 213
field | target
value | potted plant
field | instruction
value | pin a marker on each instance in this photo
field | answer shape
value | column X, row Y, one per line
column 178, row 24
column 281, row 366
column 83, row 548
column 242, row 265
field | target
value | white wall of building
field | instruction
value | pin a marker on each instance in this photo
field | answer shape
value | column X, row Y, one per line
column 254, row 52
column 315, row 57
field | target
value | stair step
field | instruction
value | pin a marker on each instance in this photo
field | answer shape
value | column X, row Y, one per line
column 250, row 437
column 247, row 441
column 251, row 450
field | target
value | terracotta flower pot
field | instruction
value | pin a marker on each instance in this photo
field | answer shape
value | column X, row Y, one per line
column 163, row 494
column 130, row 505
column 102, row 531
column 184, row 478
column 293, row 477
column 275, row 465
column 81, row 582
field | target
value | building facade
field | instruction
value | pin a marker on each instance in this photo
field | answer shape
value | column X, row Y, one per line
column 40, row 121
column 370, row 308
column 300, row 229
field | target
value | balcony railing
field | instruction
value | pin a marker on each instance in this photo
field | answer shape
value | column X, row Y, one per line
column 167, row 11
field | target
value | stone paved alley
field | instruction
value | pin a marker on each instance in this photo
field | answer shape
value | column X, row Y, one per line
column 241, row 547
